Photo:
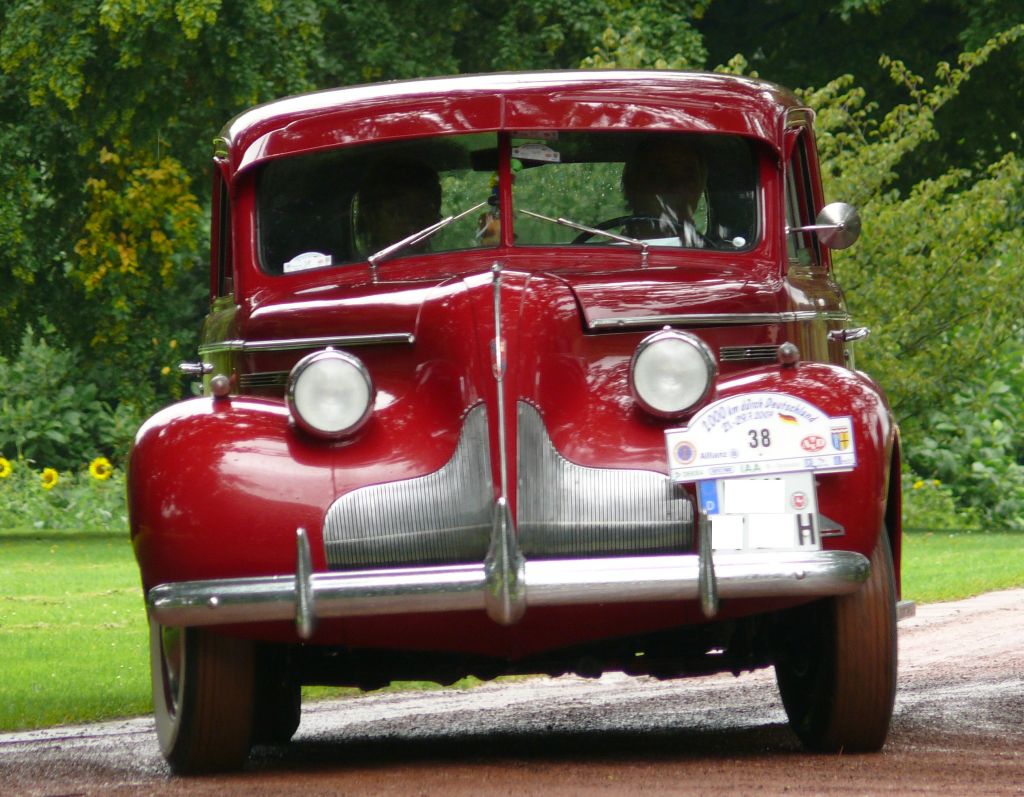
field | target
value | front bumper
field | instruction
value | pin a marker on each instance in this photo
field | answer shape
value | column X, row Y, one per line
column 503, row 586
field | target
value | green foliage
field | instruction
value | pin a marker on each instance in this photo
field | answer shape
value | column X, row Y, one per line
column 366, row 42
column 930, row 505
column 975, row 443
column 936, row 277
column 136, row 267
column 848, row 37
column 96, row 97
column 935, row 274
column 47, row 419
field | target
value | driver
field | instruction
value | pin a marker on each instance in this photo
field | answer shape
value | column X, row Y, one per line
column 663, row 181
column 397, row 198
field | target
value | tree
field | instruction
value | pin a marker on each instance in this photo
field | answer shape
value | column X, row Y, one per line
column 109, row 109
column 936, row 271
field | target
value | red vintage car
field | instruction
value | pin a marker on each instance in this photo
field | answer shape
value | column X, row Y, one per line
column 520, row 373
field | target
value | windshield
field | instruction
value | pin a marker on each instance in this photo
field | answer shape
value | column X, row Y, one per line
column 342, row 206
column 666, row 189
column 351, row 204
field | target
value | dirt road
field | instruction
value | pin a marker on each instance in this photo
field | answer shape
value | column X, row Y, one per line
column 958, row 730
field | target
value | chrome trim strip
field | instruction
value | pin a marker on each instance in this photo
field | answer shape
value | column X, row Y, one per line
column 444, row 516
column 565, row 509
column 293, row 344
column 551, row 582
column 498, row 368
column 716, row 319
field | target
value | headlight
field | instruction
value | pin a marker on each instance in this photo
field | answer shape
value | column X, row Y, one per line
column 330, row 393
column 671, row 372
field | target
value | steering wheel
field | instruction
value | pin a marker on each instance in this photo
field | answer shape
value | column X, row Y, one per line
column 618, row 221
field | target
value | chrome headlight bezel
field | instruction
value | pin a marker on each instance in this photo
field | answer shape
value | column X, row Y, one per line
column 702, row 363
column 302, row 394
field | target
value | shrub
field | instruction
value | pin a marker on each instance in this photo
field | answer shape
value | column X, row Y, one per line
column 976, row 446
column 930, row 505
column 47, row 417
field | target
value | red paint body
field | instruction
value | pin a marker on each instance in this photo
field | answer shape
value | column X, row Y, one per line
column 218, row 486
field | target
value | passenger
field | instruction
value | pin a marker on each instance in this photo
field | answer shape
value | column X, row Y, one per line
column 397, row 198
column 663, row 182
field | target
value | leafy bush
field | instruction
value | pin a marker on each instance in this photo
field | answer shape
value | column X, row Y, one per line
column 49, row 417
column 930, row 505
column 976, row 445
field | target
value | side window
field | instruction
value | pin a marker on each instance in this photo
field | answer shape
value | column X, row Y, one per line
column 223, row 284
column 802, row 246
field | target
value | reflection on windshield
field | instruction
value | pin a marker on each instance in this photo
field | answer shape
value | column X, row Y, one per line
column 379, row 201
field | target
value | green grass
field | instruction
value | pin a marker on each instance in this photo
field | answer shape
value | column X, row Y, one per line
column 73, row 633
column 73, row 636
column 942, row 566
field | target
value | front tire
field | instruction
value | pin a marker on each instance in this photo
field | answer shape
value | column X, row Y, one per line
column 202, row 698
column 837, row 668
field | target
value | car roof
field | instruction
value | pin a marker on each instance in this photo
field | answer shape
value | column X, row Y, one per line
column 510, row 101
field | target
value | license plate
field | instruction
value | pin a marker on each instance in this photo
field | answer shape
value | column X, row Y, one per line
column 762, row 513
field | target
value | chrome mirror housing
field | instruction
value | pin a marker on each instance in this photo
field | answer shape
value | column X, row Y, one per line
column 837, row 226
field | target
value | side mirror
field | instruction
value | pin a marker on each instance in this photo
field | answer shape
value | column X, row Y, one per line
column 837, row 226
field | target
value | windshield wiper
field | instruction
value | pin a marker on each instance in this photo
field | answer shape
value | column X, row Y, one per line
column 421, row 235
column 644, row 245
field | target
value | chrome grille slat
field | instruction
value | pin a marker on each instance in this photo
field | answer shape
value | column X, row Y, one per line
column 570, row 509
column 444, row 516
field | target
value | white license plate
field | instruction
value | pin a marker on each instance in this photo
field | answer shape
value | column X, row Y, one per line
column 762, row 513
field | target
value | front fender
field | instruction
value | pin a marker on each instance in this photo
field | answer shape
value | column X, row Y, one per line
column 218, row 487
column 858, row 499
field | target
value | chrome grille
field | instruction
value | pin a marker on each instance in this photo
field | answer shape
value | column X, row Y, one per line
column 444, row 516
column 263, row 379
column 568, row 509
column 742, row 353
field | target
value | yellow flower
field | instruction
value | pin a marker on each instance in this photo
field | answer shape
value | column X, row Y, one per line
column 101, row 469
column 918, row 484
column 165, row 370
column 49, row 478
column 5, row 468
